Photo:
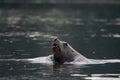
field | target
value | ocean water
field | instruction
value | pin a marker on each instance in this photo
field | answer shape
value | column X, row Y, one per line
column 27, row 30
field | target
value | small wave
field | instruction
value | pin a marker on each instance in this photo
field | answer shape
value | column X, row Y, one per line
column 95, row 61
column 49, row 60
column 98, row 76
column 27, row 34
column 111, row 35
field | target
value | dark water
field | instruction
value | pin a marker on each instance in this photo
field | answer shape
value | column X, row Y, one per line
column 26, row 31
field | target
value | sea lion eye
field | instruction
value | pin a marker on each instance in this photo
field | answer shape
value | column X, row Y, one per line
column 65, row 44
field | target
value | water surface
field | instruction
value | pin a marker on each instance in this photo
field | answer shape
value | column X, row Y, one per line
column 26, row 31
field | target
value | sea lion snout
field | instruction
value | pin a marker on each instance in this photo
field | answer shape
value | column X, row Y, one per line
column 56, row 46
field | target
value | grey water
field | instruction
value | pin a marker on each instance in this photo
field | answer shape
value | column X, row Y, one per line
column 27, row 30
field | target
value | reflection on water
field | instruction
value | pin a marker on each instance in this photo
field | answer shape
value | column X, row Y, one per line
column 26, row 31
column 23, row 70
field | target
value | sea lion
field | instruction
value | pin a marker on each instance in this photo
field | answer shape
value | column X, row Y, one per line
column 63, row 52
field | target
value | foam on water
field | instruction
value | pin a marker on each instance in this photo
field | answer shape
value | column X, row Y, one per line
column 44, row 60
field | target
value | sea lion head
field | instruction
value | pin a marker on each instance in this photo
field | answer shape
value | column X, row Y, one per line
column 62, row 51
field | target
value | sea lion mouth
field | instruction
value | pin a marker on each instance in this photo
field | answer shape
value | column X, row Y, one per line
column 56, row 47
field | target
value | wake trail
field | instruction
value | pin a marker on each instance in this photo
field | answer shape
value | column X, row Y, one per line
column 49, row 60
